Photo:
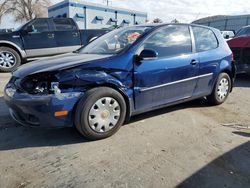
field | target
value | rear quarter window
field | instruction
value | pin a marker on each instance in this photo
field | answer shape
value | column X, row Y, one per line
column 205, row 39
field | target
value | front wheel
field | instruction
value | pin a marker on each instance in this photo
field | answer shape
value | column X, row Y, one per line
column 221, row 90
column 100, row 113
column 9, row 59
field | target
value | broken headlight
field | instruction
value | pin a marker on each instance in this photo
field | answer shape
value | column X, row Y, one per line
column 40, row 84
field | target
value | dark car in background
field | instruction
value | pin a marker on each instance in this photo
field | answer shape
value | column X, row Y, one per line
column 123, row 73
column 42, row 37
column 240, row 45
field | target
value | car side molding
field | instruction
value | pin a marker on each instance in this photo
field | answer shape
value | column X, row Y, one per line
column 176, row 82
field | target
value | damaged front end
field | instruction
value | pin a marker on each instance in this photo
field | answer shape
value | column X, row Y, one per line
column 48, row 99
column 43, row 99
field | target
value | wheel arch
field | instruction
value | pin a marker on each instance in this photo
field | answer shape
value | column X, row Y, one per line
column 14, row 47
column 228, row 68
column 231, row 75
column 120, row 90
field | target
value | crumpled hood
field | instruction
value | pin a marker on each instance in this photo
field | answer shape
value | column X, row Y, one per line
column 59, row 62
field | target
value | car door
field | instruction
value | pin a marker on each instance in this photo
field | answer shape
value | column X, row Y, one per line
column 67, row 35
column 210, row 57
column 172, row 75
column 40, row 40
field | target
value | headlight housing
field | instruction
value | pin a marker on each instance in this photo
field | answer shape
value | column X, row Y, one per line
column 40, row 84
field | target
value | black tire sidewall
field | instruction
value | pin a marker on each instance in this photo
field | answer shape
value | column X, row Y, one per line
column 84, row 106
column 17, row 56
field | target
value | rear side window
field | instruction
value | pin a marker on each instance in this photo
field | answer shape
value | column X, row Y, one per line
column 204, row 39
column 64, row 25
column 170, row 41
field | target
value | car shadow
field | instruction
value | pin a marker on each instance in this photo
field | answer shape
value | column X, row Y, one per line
column 245, row 134
column 15, row 136
column 232, row 169
column 198, row 103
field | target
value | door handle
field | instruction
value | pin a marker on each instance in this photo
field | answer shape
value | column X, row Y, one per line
column 194, row 62
column 51, row 35
column 75, row 34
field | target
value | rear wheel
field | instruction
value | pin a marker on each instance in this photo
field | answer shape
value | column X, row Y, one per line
column 100, row 113
column 221, row 90
column 9, row 59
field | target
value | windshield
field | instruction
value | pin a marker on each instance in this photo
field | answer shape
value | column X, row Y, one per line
column 20, row 27
column 243, row 32
column 114, row 41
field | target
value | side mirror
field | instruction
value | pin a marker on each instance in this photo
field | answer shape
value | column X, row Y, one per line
column 30, row 29
column 148, row 54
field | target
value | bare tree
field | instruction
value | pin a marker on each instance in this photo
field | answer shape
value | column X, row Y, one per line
column 24, row 10
column 157, row 20
column 3, row 9
column 175, row 21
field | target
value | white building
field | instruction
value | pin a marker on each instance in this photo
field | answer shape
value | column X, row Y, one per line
column 95, row 16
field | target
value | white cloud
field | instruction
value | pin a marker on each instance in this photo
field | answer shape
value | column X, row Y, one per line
column 182, row 10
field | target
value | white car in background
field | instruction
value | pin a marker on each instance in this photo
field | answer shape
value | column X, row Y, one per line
column 227, row 35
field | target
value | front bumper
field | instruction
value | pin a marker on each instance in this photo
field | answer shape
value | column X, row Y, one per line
column 38, row 111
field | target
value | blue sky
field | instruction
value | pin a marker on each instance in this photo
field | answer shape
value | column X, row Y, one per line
column 167, row 10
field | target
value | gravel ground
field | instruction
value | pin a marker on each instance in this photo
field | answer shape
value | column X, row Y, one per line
column 188, row 145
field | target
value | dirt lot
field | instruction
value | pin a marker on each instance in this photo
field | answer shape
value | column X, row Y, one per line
column 188, row 145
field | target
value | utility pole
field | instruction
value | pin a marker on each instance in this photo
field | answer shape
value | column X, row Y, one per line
column 108, row 2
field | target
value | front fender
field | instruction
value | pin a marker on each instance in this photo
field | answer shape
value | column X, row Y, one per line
column 85, row 79
column 15, row 47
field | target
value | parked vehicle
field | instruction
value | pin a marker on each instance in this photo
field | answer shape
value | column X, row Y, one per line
column 228, row 34
column 125, row 72
column 240, row 45
column 42, row 37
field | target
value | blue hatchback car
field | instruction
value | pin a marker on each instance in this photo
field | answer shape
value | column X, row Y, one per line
column 125, row 72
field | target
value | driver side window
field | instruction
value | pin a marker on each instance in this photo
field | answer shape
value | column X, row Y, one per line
column 170, row 41
column 40, row 25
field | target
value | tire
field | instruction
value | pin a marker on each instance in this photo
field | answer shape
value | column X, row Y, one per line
column 12, row 62
column 221, row 90
column 100, row 113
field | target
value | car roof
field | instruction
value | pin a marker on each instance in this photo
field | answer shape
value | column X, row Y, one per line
column 245, row 26
column 166, row 24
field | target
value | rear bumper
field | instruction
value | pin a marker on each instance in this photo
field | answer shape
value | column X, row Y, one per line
column 39, row 111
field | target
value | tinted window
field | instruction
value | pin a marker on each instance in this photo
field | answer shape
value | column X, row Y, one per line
column 40, row 25
column 64, row 25
column 170, row 41
column 244, row 32
column 204, row 39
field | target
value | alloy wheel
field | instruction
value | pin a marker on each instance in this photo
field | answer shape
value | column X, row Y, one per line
column 7, row 59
